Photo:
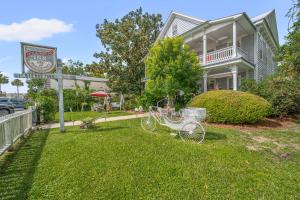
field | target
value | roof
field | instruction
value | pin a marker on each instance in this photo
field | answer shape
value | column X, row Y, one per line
column 264, row 17
column 261, row 16
column 190, row 18
column 197, row 21
column 269, row 20
column 221, row 20
column 234, row 16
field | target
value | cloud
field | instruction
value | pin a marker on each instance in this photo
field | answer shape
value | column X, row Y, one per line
column 65, row 60
column 33, row 29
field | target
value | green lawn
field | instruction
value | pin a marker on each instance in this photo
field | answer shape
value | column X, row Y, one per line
column 118, row 160
column 75, row 116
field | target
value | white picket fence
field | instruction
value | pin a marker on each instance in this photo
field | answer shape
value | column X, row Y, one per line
column 13, row 126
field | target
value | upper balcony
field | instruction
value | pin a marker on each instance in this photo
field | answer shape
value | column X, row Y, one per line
column 225, row 54
column 222, row 42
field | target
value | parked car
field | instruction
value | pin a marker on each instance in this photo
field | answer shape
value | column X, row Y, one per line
column 17, row 104
column 6, row 109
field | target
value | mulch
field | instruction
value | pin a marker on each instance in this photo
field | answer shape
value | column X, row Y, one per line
column 267, row 123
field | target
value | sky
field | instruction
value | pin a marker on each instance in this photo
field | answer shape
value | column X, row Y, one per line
column 69, row 25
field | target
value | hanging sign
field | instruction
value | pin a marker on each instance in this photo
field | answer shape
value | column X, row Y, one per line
column 38, row 59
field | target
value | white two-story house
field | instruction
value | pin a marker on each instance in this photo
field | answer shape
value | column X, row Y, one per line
column 230, row 48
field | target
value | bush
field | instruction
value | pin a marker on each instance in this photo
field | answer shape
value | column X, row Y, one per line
column 148, row 99
column 282, row 92
column 130, row 101
column 47, row 104
column 78, row 99
column 235, row 107
column 70, row 100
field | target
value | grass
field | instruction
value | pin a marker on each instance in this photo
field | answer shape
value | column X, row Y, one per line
column 118, row 160
column 75, row 116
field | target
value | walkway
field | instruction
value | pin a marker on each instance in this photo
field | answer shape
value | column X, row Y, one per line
column 99, row 120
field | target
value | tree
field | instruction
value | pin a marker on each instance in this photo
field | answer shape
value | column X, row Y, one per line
column 35, row 86
column 74, row 68
column 17, row 83
column 171, row 67
column 95, row 70
column 3, row 80
column 126, row 42
column 289, row 54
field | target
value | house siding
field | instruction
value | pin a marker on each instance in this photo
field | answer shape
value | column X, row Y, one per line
column 182, row 27
column 265, row 58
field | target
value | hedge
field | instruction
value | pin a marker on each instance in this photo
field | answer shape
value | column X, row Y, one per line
column 233, row 107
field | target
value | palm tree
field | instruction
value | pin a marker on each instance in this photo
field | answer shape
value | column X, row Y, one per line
column 3, row 80
column 18, row 83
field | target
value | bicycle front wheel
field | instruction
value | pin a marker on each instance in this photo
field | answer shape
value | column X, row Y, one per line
column 148, row 123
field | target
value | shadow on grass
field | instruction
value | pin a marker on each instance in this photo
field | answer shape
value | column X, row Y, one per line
column 99, row 129
column 18, row 167
column 214, row 136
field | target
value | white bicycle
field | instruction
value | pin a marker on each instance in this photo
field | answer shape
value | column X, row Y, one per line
column 187, row 124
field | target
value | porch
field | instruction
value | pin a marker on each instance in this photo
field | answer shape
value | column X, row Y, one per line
column 226, row 77
column 223, row 42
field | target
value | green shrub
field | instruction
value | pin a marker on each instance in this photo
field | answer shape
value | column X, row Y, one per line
column 130, row 102
column 78, row 99
column 282, row 92
column 235, row 107
column 47, row 104
column 148, row 99
column 70, row 100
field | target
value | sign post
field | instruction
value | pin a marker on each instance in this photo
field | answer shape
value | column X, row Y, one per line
column 42, row 60
column 60, row 96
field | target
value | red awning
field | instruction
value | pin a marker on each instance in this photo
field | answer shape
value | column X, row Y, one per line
column 99, row 94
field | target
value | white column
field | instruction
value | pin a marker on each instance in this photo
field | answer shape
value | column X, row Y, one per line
column 234, row 71
column 204, row 49
column 227, row 83
column 234, row 39
column 205, row 81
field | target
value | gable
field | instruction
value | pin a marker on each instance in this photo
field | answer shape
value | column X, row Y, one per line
column 271, row 20
column 182, row 27
column 182, row 22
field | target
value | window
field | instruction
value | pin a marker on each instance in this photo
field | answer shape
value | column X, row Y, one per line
column 174, row 30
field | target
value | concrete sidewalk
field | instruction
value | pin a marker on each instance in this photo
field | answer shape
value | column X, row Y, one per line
column 99, row 120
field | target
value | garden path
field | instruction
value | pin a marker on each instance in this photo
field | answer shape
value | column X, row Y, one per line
column 99, row 120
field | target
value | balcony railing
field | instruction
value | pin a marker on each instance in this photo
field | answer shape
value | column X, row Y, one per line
column 223, row 55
